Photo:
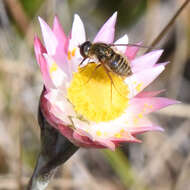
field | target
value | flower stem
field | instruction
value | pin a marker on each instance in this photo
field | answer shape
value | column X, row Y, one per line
column 167, row 27
column 55, row 150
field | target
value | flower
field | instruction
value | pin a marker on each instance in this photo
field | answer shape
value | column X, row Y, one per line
column 81, row 103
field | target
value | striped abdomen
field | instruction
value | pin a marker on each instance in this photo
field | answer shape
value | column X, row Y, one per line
column 119, row 65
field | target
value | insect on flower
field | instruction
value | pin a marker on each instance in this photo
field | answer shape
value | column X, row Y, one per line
column 108, row 57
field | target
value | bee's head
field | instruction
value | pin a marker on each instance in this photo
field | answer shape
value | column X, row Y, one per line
column 84, row 48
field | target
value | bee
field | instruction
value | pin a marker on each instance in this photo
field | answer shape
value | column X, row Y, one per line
column 109, row 58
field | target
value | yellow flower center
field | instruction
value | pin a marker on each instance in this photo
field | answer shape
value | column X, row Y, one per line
column 95, row 97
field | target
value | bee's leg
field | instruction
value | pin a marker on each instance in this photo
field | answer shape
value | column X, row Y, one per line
column 97, row 66
column 82, row 61
column 107, row 71
column 83, row 68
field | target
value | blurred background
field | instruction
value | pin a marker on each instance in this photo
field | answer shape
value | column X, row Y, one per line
column 161, row 162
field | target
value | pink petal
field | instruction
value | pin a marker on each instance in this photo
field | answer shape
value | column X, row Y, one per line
column 107, row 31
column 140, row 130
column 164, row 64
column 130, row 135
column 147, row 105
column 45, row 107
column 61, row 60
column 67, row 132
column 60, row 106
column 145, row 61
column 149, row 94
column 63, row 117
column 107, row 143
column 45, row 73
column 82, row 139
column 60, row 56
column 138, row 81
column 78, row 140
column 58, row 76
column 50, row 40
column 60, row 35
column 131, row 51
column 126, row 138
column 38, row 48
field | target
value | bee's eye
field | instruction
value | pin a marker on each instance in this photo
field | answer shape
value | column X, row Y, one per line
column 84, row 48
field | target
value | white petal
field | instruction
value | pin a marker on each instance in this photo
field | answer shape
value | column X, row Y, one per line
column 138, row 81
column 78, row 35
column 59, row 78
column 122, row 40
column 146, row 61
column 60, row 107
column 49, row 37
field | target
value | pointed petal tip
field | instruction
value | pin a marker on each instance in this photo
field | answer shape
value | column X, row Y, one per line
column 57, row 24
column 164, row 64
column 36, row 39
column 160, row 51
column 107, row 31
column 49, row 37
column 112, row 148
column 108, row 144
column 158, row 128
column 41, row 20
column 113, row 18
column 39, row 49
column 156, row 52
column 140, row 43
column 123, row 40
column 77, row 20
column 160, row 68
column 55, row 20
column 178, row 102
column 171, row 101
column 135, row 140
column 115, row 14
column 76, row 16
column 78, row 34
column 37, row 44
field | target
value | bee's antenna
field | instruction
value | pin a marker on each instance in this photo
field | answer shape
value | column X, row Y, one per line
column 136, row 45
